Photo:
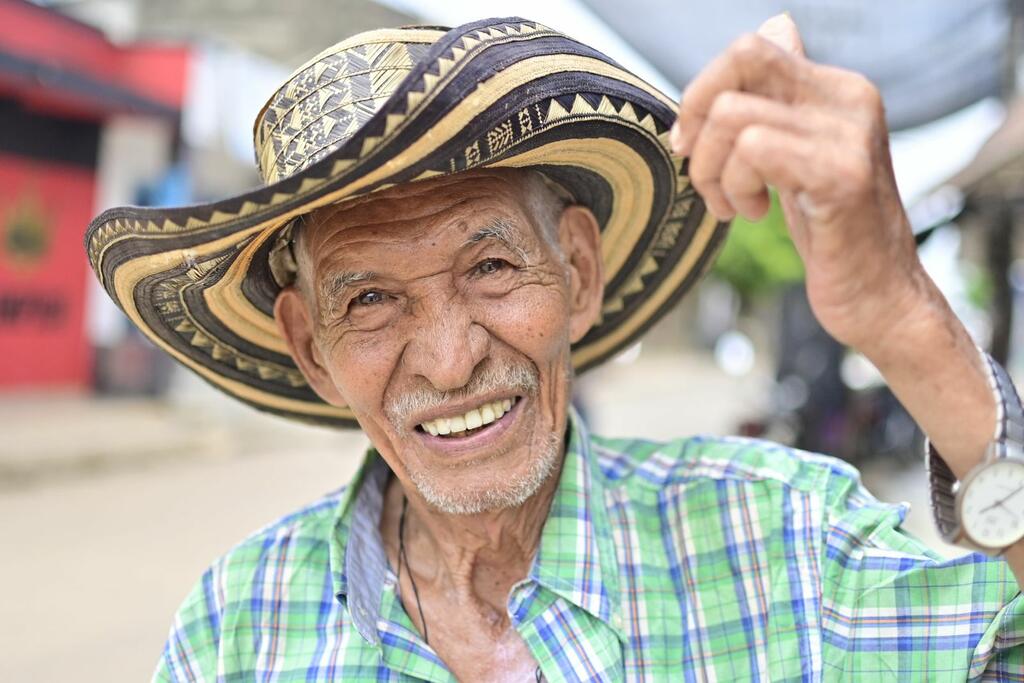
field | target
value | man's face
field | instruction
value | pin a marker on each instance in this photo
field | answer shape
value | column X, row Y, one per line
column 442, row 314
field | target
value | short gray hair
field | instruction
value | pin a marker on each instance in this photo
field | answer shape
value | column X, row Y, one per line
column 547, row 200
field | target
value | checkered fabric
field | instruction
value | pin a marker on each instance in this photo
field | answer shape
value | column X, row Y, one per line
column 703, row 559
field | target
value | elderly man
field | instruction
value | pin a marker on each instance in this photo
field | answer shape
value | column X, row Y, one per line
column 456, row 221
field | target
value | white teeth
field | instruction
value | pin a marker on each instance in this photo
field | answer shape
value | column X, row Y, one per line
column 499, row 409
column 472, row 419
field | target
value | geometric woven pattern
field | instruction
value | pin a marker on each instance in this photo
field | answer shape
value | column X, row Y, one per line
column 324, row 103
column 396, row 106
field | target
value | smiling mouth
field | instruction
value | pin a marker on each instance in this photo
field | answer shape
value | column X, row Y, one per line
column 471, row 422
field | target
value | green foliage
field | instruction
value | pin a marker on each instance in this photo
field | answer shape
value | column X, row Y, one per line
column 979, row 285
column 758, row 256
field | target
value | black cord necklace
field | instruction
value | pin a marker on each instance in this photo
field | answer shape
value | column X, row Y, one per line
column 403, row 558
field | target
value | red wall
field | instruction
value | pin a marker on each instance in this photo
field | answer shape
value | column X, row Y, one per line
column 44, row 207
column 41, row 35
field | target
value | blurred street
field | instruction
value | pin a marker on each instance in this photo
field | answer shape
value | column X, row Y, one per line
column 113, row 508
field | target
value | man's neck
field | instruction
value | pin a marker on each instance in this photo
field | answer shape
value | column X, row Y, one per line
column 474, row 559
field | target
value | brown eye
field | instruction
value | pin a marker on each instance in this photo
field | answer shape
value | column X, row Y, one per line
column 370, row 298
column 491, row 266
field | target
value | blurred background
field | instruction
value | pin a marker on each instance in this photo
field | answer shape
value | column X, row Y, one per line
column 122, row 476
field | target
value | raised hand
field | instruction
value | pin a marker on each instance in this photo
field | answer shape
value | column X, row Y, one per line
column 763, row 114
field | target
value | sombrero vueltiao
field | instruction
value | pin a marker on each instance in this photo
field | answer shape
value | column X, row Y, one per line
column 395, row 106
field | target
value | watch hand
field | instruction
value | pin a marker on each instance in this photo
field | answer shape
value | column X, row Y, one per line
column 993, row 505
column 1005, row 498
column 998, row 503
column 1018, row 490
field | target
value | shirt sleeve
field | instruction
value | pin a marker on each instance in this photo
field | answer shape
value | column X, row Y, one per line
column 894, row 610
column 190, row 653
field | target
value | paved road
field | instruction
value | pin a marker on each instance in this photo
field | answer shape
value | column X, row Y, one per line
column 101, row 562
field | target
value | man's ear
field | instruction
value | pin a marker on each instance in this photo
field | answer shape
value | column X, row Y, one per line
column 295, row 323
column 580, row 237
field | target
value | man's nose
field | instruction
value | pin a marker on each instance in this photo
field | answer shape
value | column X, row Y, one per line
column 446, row 344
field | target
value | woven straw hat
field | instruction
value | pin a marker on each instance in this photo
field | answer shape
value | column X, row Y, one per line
column 397, row 106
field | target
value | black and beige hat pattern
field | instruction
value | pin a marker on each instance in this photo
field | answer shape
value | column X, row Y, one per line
column 396, row 106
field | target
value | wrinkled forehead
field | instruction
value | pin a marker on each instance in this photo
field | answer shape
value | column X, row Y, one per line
column 427, row 209
column 417, row 217
column 424, row 199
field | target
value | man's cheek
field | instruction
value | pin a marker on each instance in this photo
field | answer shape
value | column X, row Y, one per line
column 360, row 372
column 532, row 320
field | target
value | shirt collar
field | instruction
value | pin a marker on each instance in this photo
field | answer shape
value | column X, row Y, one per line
column 575, row 558
column 358, row 562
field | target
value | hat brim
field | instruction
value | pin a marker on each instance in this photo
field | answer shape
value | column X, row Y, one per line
column 495, row 93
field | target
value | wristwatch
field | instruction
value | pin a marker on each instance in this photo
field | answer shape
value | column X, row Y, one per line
column 985, row 511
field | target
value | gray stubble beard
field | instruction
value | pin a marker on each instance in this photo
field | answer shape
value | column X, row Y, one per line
column 508, row 493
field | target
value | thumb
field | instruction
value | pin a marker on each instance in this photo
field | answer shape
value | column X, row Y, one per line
column 781, row 30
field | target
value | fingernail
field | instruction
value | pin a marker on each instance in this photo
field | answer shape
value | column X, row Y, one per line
column 675, row 139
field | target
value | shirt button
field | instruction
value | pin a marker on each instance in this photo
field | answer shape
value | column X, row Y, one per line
column 617, row 621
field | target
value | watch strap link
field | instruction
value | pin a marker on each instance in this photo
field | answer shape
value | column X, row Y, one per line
column 1008, row 439
column 942, row 482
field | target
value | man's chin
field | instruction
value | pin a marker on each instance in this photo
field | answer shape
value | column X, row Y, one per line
column 468, row 491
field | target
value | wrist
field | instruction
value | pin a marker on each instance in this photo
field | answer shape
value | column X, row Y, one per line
column 918, row 327
column 981, row 509
column 937, row 371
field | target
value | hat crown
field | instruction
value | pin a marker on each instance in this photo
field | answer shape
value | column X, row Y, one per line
column 327, row 99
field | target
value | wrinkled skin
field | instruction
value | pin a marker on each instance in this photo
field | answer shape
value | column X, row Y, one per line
column 437, row 312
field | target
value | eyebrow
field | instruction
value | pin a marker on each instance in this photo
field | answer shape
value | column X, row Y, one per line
column 499, row 229
column 502, row 231
column 335, row 285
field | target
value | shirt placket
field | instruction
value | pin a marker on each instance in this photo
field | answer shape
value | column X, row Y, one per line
column 568, row 643
column 402, row 648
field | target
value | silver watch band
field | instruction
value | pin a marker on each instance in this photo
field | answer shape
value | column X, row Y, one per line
column 1008, row 438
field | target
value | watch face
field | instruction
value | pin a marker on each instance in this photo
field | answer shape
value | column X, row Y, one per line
column 992, row 507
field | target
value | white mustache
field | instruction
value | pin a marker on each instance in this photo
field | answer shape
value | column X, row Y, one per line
column 490, row 379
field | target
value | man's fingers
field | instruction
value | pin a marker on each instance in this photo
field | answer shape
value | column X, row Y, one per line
column 744, row 188
column 778, row 157
column 770, row 64
column 846, row 93
column 823, row 170
column 730, row 114
column 751, row 64
column 782, row 30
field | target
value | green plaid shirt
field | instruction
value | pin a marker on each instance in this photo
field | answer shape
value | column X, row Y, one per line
column 702, row 559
